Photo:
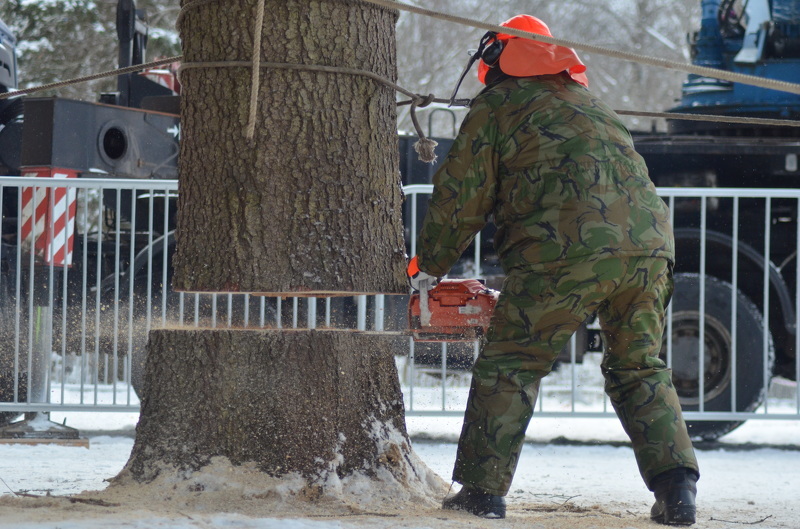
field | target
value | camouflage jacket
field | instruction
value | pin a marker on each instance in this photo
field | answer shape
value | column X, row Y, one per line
column 556, row 169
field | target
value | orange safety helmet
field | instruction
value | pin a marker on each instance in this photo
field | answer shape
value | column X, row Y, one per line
column 524, row 57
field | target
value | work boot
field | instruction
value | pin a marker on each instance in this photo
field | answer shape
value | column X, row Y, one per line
column 476, row 502
column 675, row 491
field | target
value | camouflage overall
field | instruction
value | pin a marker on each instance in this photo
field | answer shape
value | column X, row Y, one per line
column 536, row 315
column 580, row 230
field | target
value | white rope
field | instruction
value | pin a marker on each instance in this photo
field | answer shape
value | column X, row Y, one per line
column 92, row 77
column 711, row 118
column 419, row 100
column 753, row 80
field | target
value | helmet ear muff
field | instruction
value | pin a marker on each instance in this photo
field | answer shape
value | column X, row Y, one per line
column 491, row 54
column 489, row 50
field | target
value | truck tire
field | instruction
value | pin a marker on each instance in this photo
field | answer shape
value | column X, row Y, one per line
column 719, row 380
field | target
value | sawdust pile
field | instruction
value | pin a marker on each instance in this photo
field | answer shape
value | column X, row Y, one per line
column 376, row 500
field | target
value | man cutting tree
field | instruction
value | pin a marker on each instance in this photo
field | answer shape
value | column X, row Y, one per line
column 580, row 231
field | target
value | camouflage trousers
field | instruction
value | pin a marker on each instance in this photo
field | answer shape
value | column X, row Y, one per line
column 537, row 313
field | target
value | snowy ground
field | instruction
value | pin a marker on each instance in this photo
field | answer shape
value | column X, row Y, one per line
column 586, row 479
column 591, row 484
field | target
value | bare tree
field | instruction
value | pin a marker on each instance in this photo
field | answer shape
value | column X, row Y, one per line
column 60, row 40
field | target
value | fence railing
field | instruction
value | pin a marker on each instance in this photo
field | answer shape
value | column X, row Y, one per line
column 73, row 329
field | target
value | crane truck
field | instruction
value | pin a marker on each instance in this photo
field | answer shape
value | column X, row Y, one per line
column 761, row 38
column 130, row 133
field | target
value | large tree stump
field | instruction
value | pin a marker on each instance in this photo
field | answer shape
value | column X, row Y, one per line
column 228, row 393
column 313, row 203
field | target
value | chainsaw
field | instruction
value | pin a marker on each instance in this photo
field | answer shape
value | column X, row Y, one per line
column 455, row 310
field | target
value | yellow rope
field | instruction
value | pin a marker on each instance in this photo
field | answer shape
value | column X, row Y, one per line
column 425, row 146
column 255, row 78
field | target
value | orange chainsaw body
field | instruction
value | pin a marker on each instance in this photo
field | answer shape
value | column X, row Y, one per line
column 460, row 310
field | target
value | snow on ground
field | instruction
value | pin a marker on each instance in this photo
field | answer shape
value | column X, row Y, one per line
column 573, row 473
column 592, row 485
column 556, row 486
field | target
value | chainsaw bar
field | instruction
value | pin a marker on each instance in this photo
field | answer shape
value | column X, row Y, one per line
column 448, row 335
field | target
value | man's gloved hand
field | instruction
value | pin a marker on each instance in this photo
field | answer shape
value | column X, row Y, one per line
column 416, row 277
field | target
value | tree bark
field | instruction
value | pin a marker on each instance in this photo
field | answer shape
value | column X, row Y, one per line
column 312, row 204
column 304, row 401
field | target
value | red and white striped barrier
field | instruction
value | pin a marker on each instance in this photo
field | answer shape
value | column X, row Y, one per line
column 48, row 218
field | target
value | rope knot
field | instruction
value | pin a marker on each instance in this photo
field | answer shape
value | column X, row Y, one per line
column 423, row 101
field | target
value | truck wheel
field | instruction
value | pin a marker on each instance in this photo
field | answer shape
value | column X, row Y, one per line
column 719, row 382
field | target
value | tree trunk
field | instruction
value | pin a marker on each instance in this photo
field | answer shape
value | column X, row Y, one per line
column 313, row 203
column 302, row 401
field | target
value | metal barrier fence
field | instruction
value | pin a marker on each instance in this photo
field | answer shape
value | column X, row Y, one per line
column 73, row 328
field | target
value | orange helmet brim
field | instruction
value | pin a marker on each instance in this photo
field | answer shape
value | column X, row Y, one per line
column 524, row 58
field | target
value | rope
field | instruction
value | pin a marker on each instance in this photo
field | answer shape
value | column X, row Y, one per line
column 186, row 7
column 416, row 101
column 93, row 77
column 414, row 97
column 425, row 146
column 711, row 118
column 704, row 71
column 708, row 72
column 198, row 3
column 302, row 67
column 255, row 78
